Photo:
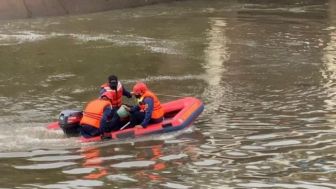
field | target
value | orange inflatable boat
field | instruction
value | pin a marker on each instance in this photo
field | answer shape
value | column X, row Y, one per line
column 179, row 114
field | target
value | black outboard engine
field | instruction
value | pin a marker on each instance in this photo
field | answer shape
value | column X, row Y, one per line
column 69, row 122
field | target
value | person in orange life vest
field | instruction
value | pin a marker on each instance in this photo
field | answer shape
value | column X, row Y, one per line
column 96, row 115
column 117, row 90
column 148, row 110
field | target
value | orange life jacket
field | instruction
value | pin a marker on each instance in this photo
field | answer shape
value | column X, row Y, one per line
column 157, row 110
column 116, row 94
column 93, row 112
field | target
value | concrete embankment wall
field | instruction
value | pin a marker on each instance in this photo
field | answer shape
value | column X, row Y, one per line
column 11, row 9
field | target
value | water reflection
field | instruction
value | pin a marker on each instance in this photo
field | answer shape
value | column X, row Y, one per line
column 93, row 159
column 45, row 165
column 216, row 54
column 77, row 183
column 329, row 60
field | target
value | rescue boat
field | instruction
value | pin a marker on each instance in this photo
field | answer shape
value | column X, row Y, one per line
column 178, row 114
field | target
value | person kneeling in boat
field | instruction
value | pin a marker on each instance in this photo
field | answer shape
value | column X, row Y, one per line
column 96, row 115
column 117, row 90
column 149, row 109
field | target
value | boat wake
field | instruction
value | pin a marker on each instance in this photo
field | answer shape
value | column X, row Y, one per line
column 148, row 43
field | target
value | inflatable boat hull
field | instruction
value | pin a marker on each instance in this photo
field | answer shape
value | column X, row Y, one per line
column 179, row 114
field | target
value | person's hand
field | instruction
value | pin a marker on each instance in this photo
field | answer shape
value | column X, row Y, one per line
column 131, row 95
column 138, row 126
column 127, row 108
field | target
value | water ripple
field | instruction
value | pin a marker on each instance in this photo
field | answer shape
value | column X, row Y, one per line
column 150, row 44
column 79, row 183
column 45, row 166
column 133, row 164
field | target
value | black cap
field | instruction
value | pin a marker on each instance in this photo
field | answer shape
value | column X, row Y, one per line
column 112, row 78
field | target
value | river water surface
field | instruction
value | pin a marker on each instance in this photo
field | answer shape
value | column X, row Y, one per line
column 264, row 69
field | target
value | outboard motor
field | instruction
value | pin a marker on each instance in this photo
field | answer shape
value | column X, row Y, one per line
column 69, row 122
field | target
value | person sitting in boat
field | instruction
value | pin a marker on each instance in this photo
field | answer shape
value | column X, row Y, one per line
column 117, row 90
column 96, row 115
column 149, row 109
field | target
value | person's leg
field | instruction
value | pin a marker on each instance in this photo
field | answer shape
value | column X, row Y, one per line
column 115, row 123
column 106, row 124
column 153, row 121
column 89, row 131
column 104, row 127
column 136, row 118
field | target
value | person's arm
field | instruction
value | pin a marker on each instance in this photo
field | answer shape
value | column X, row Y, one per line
column 126, row 93
column 134, row 108
column 106, row 116
column 101, row 91
column 148, row 112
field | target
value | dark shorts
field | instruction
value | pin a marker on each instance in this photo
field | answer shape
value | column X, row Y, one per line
column 138, row 116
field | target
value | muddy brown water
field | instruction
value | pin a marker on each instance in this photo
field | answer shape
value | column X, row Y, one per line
column 264, row 69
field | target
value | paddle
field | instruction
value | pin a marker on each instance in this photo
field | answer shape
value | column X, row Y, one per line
column 123, row 127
